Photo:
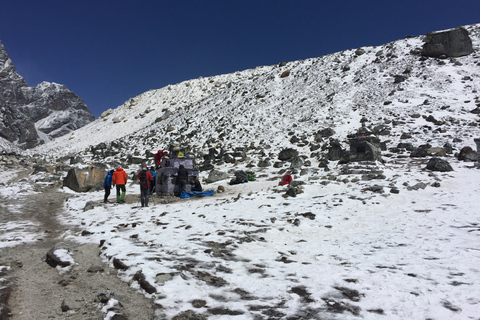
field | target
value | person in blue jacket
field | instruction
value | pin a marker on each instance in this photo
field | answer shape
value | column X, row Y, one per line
column 107, row 185
column 153, row 182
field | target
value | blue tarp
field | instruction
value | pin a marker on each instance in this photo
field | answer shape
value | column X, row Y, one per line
column 185, row 194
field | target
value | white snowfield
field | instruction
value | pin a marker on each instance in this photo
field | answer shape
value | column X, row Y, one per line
column 342, row 249
column 412, row 255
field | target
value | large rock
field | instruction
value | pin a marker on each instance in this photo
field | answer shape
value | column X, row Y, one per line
column 59, row 255
column 32, row 115
column 83, row 180
column 451, row 43
column 437, row 164
column 216, row 175
column 287, row 154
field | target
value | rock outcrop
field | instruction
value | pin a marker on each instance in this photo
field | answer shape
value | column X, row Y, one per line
column 451, row 43
column 32, row 115
column 83, row 180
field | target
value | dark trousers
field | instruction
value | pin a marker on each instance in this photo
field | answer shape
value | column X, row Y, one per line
column 121, row 192
column 107, row 193
column 144, row 192
column 182, row 185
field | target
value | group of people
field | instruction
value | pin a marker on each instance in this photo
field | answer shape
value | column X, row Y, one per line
column 118, row 179
column 147, row 180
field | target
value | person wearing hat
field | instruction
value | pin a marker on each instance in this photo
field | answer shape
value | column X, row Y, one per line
column 144, row 178
column 119, row 179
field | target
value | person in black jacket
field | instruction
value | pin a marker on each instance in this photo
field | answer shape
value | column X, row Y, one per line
column 196, row 185
column 182, row 177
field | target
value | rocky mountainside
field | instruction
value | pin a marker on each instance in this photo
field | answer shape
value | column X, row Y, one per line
column 404, row 91
column 33, row 115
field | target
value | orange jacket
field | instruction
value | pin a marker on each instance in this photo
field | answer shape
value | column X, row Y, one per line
column 119, row 177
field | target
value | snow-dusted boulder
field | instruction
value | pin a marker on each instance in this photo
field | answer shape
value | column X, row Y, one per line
column 83, row 180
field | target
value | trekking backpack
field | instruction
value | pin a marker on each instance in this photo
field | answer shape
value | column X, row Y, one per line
column 143, row 178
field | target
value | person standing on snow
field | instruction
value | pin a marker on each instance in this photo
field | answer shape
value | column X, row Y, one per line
column 107, row 185
column 182, row 178
column 119, row 179
column 144, row 177
column 154, row 180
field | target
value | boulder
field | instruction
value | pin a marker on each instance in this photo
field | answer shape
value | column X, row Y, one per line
column 335, row 151
column 240, row 177
column 464, row 153
column 144, row 284
column 437, row 164
column 264, row 163
column 287, row 154
column 216, row 175
column 285, row 74
column 451, row 43
column 58, row 255
column 83, row 180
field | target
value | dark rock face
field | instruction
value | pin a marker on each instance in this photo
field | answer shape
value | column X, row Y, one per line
column 437, row 164
column 30, row 115
column 452, row 43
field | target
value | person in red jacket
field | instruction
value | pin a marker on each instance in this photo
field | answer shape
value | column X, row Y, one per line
column 158, row 158
column 119, row 179
column 144, row 178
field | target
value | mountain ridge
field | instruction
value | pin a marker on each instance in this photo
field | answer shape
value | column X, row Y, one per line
column 33, row 115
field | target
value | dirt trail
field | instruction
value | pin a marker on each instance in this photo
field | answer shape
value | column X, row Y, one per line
column 38, row 290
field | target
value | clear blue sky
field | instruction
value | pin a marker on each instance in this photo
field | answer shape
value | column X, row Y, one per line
column 109, row 51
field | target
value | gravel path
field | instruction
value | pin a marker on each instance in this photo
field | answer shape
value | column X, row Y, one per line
column 38, row 291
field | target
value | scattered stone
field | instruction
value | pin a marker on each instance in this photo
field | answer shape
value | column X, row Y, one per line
column 118, row 264
column 225, row 311
column 211, row 280
column 264, row 163
column 199, row 303
column 287, row 154
column 437, row 164
column 292, row 191
column 189, row 315
column 68, row 305
column 374, row 188
column 216, row 175
column 394, row 190
column 417, row 186
column 95, row 269
column 161, row 278
column 58, row 255
column 144, row 284
column 285, row 74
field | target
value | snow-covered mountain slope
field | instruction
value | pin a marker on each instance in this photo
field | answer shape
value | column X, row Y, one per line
column 388, row 85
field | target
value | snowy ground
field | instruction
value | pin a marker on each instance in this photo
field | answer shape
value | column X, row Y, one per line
column 338, row 250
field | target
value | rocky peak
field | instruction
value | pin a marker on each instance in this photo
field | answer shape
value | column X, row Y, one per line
column 32, row 115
